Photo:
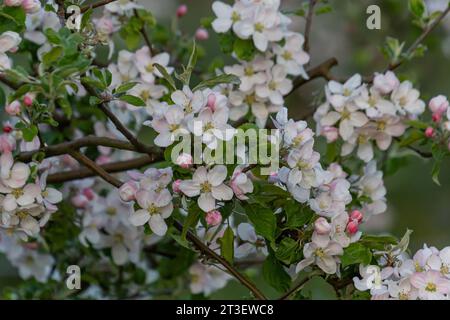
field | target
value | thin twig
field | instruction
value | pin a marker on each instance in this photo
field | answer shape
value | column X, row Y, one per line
column 88, row 163
column 88, row 141
column 297, row 287
column 209, row 252
column 96, row 5
column 113, row 167
column 145, row 35
column 308, row 26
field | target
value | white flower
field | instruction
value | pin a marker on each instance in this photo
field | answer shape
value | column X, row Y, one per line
column 207, row 279
column 402, row 290
column 250, row 73
column 191, row 102
column 212, row 126
column 121, row 7
column 123, row 241
column 374, row 103
column 170, row 127
column 209, row 185
column 34, row 264
column 13, row 175
column 252, row 244
column 431, row 285
column 321, row 251
column 406, row 99
column 276, row 86
column 340, row 94
column 9, row 40
column 145, row 64
column 228, row 17
column 155, row 208
column 349, row 118
column 292, row 56
column 385, row 83
column 5, row 62
column 371, row 185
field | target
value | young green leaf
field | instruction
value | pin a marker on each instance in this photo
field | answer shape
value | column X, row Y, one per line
column 220, row 79
column 165, row 75
column 133, row 100
column 227, row 245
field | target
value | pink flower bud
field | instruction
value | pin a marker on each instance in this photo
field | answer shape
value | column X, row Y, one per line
column 31, row 6
column 201, row 34
column 386, row 83
column 438, row 104
column 13, row 3
column 80, row 201
column 176, row 186
column 352, row 227
column 437, row 117
column 7, row 129
column 28, row 100
column 211, row 101
column 89, row 193
column 13, row 108
column 429, row 132
column 330, row 133
column 182, row 10
column 321, row 226
column 185, row 160
column 213, row 218
column 356, row 215
column 128, row 190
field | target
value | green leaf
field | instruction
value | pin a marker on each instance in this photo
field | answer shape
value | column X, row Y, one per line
column 244, row 49
column 226, row 41
column 2, row 98
column 185, row 77
column 356, row 253
column 65, row 106
column 29, row 133
column 133, row 100
column 52, row 36
column 86, row 18
column 411, row 137
column 275, row 275
column 288, row 251
column 377, row 242
column 125, row 87
column 165, row 75
column 53, row 55
column 227, row 245
column 438, row 156
column 417, row 7
column 324, row 9
column 93, row 101
column 223, row 78
column 296, row 214
column 12, row 19
column 191, row 220
column 263, row 220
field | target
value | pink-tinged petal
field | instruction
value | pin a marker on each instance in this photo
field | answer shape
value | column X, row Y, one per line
column 143, row 198
column 217, row 175
column 158, row 225
column 222, row 192
column 139, row 218
column 190, row 188
column 419, row 280
column 206, row 202
column 166, row 211
column 327, row 264
column 200, row 175
column 303, row 264
column 330, row 119
column 9, row 203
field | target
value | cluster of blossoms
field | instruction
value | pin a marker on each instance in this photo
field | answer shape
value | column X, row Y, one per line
column 26, row 201
column 361, row 114
column 150, row 190
column 265, row 79
column 440, row 129
column 426, row 276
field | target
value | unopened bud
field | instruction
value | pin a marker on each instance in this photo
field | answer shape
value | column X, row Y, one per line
column 128, row 190
column 182, row 10
column 213, row 218
column 352, row 227
column 356, row 215
column 321, row 226
column 429, row 132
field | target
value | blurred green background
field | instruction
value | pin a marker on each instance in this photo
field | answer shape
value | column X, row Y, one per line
column 414, row 201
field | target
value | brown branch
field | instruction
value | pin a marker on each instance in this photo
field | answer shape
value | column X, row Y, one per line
column 113, row 167
column 61, row 12
column 320, row 71
column 96, row 5
column 145, row 35
column 88, row 141
column 209, row 252
column 88, row 163
column 309, row 20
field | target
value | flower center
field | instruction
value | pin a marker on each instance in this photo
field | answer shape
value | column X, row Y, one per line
column 208, row 126
column 205, row 187
column 431, row 287
column 149, row 68
column 297, row 140
column 152, row 209
column 445, row 269
column 111, row 211
column 248, row 71
column 345, row 114
column 250, row 99
column 272, row 85
column 235, row 17
column 403, row 101
column 17, row 193
column 173, row 127
column 22, row 214
column 347, row 92
column 319, row 252
column 118, row 237
column 287, row 55
column 259, row 27
column 362, row 139
column 381, row 125
column 145, row 95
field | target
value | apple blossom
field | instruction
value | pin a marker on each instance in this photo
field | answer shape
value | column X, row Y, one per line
column 213, row 218
column 128, row 191
column 201, row 34
column 9, row 40
column 31, row 6
column 252, row 244
column 182, row 10
column 209, row 184
column 13, row 108
column 321, row 226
